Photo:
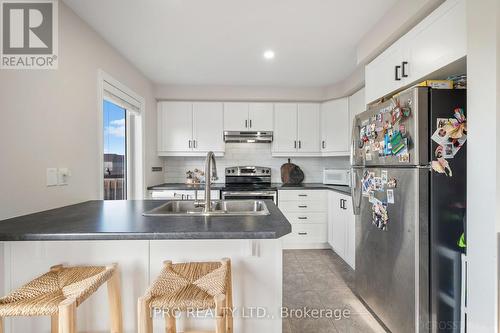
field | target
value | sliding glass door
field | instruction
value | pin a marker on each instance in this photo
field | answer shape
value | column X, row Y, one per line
column 115, row 151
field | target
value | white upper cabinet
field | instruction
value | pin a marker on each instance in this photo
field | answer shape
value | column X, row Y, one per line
column 296, row 129
column 308, row 128
column 175, row 126
column 335, row 127
column 436, row 42
column 236, row 116
column 439, row 40
column 208, row 131
column 190, row 129
column 260, row 117
column 383, row 74
column 248, row 116
column 285, row 128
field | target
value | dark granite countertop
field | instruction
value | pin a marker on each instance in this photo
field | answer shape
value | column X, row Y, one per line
column 277, row 186
column 316, row 186
column 123, row 220
column 185, row 187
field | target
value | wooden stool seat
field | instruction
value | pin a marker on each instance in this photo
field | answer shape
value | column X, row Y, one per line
column 193, row 286
column 59, row 292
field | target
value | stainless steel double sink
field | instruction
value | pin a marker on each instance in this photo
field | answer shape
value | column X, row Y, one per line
column 219, row 208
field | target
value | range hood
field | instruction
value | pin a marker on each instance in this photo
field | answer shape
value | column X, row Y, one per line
column 247, row 136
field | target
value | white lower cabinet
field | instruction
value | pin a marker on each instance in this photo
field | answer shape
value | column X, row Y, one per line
column 181, row 194
column 341, row 226
column 307, row 212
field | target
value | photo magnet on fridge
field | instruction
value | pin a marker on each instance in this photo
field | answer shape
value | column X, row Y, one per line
column 384, row 176
column 390, row 196
column 440, row 136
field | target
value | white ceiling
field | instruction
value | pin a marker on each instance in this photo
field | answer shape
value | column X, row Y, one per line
column 220, row 42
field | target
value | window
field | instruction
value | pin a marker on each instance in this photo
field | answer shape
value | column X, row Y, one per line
column 121, row 145
column 115, row 148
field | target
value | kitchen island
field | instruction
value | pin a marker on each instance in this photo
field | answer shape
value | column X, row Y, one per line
column 103, row 232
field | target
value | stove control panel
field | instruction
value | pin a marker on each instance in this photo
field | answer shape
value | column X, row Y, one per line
column 248, row 171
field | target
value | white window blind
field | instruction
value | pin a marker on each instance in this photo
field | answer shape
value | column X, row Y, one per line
column 118, row 97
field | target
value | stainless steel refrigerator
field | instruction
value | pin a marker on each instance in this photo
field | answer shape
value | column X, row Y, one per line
column 410, row 222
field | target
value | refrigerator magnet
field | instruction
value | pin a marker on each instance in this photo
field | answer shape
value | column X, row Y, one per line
column 397, row 143
column 392, row 183
column 384, row 176
column 390, row 196
column 371, row 197
column 442, row 166
column 442, row 122
column 402, row 129
column 440, row 136
column 404, row 158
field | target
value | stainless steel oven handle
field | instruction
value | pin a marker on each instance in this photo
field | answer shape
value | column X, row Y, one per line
column 244, row 194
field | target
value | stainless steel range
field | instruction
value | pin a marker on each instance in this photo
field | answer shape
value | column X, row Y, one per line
column 248, row 182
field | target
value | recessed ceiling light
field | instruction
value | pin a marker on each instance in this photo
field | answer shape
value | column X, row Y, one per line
column 269, row 54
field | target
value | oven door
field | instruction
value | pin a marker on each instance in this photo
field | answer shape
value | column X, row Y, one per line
column 249, row 195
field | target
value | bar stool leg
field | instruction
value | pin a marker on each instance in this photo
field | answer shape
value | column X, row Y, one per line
column 67, row 316
column 170, row 323
column 1, row 325
column 145, row 322
column 54, row 324
column 115, row 302
column 229, row 298
column 220, row 301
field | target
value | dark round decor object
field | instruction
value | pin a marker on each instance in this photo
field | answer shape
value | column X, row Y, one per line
column 291, row 174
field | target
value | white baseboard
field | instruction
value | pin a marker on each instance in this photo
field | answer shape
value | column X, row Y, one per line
column 305, row 246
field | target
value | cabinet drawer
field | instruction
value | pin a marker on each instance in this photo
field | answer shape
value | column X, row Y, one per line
column 302, row 206
column 307, row 234
column 302, row 195
column 307, row 218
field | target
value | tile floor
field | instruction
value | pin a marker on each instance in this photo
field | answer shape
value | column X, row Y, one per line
column 320, row 279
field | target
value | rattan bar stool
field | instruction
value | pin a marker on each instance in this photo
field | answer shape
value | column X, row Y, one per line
column 193, row 286
column 60, row 291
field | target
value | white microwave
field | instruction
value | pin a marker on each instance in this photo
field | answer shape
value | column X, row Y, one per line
column 337, row 176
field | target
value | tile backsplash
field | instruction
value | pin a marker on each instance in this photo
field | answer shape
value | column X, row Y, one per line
column 258, row 154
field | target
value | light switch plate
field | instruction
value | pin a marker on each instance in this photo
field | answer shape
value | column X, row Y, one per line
column 62, row 176
column 51, row 176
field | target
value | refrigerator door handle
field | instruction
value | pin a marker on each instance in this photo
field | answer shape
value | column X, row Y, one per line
column 356, row 198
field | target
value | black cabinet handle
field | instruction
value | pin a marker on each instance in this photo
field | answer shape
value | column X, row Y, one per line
column 302, row 218
column 300, row 144
column 302, row 195
column 250, row 123
column 246, row 123
column 396, row 73
column 323, row 144
column 302, row 233
column 403, row 69
column 189, row 143
column 295, row 144
column 341, row 204
column 303, row 206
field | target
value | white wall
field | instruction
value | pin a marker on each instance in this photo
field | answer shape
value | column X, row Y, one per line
column 49, row 119
column 239, row 93
column 258, row 154
column 483, row 154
